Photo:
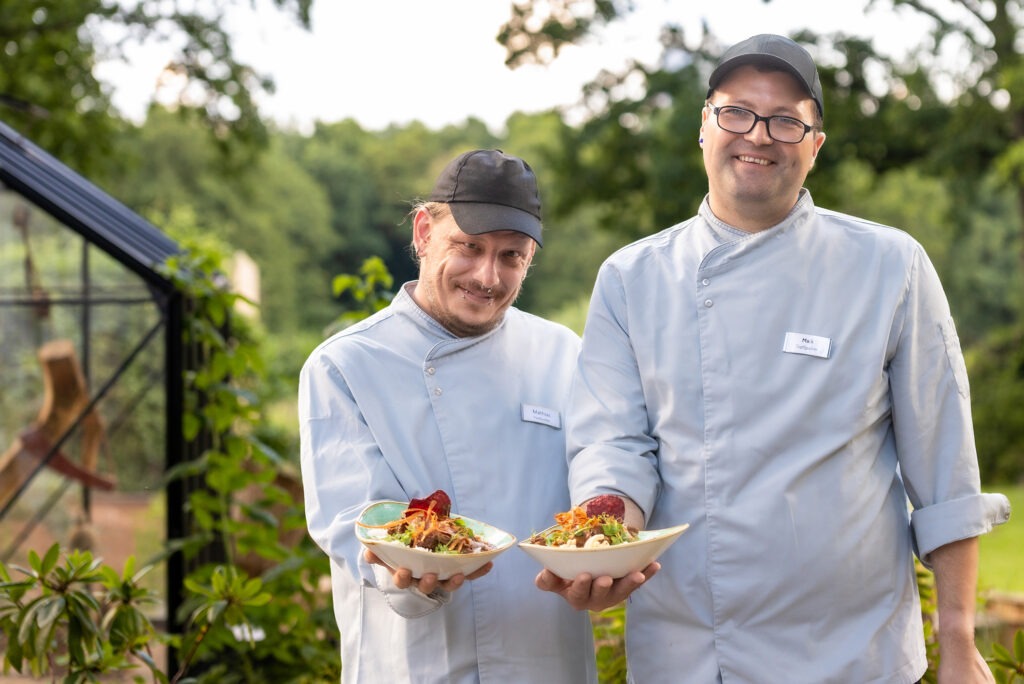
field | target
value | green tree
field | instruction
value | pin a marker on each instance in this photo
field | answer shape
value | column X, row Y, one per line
column 996, row 367
column 47, row 88
column 537, row 31
column 52, row 46
column 371, row 179
column 271, row 208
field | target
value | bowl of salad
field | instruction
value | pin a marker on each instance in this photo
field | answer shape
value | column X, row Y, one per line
column 426, row 537
column 596, row 540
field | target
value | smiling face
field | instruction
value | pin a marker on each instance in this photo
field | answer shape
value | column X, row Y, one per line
column 754, row 181
column 467, row 282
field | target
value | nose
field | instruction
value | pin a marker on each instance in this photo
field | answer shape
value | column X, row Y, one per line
column 759, row 133
column 486, row 270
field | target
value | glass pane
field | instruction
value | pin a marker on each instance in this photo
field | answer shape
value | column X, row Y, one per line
column 72, row 327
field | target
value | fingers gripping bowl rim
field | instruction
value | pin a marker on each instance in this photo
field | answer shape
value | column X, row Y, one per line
column 422, row 561
column 614, row 561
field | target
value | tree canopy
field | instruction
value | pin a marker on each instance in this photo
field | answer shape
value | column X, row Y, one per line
column 50, row 48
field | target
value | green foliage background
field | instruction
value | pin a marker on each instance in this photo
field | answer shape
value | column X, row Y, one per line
column 1000, row 549
column 310, row 206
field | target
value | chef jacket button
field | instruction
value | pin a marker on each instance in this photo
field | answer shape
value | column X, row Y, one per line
column 437, row 391
column 705, row 282
column 708, row 303
column 430, row 371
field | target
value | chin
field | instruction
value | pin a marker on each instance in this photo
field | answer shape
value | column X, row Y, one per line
column 481, row 327
column 471, row 327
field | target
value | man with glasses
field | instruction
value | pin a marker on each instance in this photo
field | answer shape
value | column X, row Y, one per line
column 783, row 378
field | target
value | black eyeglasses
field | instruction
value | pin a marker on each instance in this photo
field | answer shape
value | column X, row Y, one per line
column 783, row 129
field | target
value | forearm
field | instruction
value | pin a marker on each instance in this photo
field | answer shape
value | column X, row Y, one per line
column 634, row 516
column 956, row 577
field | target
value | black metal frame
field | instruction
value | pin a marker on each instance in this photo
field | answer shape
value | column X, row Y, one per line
column 141, row 247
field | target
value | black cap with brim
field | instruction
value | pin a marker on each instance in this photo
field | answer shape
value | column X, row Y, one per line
column 479, row 217
column 775, row 51
column 488, row 191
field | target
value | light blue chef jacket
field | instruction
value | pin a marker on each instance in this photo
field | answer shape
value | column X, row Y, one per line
column 396, row 407
column 770, row 389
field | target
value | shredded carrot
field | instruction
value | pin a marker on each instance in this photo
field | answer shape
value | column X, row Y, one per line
column 422, row 523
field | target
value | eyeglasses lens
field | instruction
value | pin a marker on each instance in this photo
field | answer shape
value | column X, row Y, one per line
column 781, row 128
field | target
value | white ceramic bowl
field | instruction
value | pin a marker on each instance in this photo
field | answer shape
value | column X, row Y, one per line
column 421, row 561
column 614, row 561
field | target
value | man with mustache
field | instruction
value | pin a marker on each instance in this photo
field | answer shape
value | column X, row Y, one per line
column 450, row 387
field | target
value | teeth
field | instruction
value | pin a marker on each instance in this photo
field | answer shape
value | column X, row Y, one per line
column 753, row 160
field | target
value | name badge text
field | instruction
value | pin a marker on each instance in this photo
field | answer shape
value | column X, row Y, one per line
column 542, row 415
column 810, row 345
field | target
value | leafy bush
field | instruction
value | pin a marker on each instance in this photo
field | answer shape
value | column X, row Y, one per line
column 1006, row 666
column 79, row 618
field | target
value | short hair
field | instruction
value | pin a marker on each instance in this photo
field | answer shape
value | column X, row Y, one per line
column 437, row 211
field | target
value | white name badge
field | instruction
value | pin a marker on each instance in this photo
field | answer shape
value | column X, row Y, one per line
column 542, row 415
column 810, row 345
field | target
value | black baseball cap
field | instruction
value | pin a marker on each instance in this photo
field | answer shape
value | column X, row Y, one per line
column 488, row 190
column 772, row 50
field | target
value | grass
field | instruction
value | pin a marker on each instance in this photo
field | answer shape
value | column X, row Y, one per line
column 1002, row 550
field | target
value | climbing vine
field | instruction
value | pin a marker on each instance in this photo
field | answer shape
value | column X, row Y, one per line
column 245, row 502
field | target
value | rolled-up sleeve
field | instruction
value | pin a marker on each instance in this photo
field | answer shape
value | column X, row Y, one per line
column 963, row 518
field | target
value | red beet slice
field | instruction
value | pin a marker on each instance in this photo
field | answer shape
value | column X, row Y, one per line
column 442, row 504
column 606, row 504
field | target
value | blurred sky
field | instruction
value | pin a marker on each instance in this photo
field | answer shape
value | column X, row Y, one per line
column 437, row 61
